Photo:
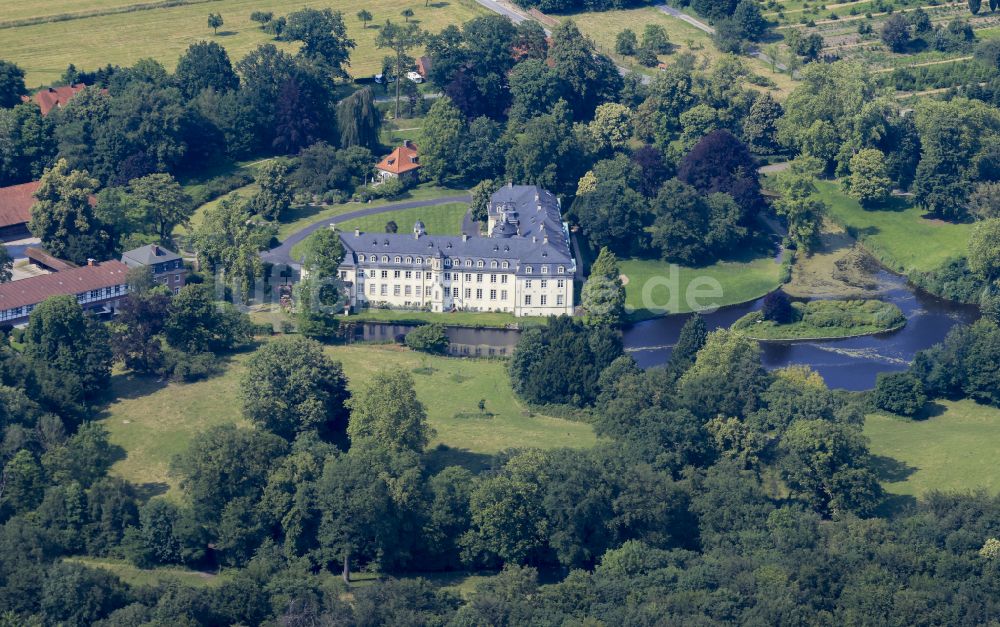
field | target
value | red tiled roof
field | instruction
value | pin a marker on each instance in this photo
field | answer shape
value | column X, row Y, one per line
column 402, row 159
column 41, row 258
column 15, row 203
column 52, row 97
column 34, row 290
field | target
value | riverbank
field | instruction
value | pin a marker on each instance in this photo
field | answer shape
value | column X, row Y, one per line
column 825, row 320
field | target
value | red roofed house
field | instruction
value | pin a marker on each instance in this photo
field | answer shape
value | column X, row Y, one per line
column 15, row 210
column 97, row 286
column 401, row 162
column 52, row 97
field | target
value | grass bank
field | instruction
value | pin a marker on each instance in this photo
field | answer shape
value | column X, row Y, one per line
column 898, row 234
column 825, row 319
column 135, row 576
column 656, row 288
column 953, row 446
column 477, row 319
column 153, row 421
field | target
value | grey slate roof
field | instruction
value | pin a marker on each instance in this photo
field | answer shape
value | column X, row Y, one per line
column 148, row 255
column 539, row 239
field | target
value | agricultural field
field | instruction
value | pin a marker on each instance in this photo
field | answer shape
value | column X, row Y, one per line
column 898, row 235
column 953, row 446
column 740, row 281
column 152, row 421
column 602, row 27
column 105, row 34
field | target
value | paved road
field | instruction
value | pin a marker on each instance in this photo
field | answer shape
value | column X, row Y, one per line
column 283, row 253
column 514, row 16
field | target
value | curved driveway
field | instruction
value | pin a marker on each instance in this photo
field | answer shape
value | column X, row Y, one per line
column 283, row 254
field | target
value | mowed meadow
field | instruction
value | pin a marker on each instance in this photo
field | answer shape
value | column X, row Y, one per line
column 121, row 32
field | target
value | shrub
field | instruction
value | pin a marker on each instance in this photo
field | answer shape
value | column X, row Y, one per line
column 429, row 338
column 899, row 392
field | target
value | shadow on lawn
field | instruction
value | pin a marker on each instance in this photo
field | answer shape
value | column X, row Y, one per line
column 442, row 456
column 891, row 470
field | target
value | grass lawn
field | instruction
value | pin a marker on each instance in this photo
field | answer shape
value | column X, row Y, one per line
column 666, row 286
column 604, row 26
column 299, row 218
column 954, row 449
column 153, row 422
column 135, row 576
column 443, row 219
column 44, row 50
column 899, row 236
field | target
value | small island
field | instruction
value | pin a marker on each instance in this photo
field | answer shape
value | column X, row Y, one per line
column 782, row 320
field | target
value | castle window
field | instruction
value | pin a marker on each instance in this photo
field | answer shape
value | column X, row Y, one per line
column 505, row 265
column 528, row 269
column 420, row 261
column 545, row 269
column 409, row 260
column 479, row 264
column 468, row 263
column 562, row 270
column 397, row 259
column 385, row 259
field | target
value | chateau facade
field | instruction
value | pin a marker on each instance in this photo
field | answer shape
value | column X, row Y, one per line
column 525, row 266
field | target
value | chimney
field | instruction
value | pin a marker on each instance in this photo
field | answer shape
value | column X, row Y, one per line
column 91, row 262
column 465, row 237
column 357, row 232
column 156, row 250
column 406, row 143
column 333, row 226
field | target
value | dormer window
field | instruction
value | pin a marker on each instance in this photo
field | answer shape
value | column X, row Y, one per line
column 479, row 264
column 545, row 269
column 493, row 264
column 527, row 269
column 468, row 263
column 562, row 270
column 505, row 265
column 397, row 259
column 385, row 259
column 420, row 260
column 409, row 260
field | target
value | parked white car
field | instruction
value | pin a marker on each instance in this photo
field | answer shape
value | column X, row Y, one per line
column 381, row 78
column 415, row 77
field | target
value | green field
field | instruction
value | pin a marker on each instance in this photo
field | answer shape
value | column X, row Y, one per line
column 956, row 448
column 299, row 218
column 899, row 236
column 135, row 576
column 443, row 219
column 456, row 318
column 153, row 421
column 44, row 50
column 666, row 285
column 604, row 26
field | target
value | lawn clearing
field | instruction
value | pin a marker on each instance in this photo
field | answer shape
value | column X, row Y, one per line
column 954, row 449
column 44, row 50
column 154, row 422
column 898, row 236
column 135, row 576
column 603, row 27
column 666, row 285
column 298, row 218
column 443, row 219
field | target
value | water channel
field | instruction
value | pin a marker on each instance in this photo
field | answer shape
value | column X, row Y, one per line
column 850, row 363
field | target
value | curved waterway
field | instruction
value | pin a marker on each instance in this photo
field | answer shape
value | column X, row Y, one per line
column 850, row 363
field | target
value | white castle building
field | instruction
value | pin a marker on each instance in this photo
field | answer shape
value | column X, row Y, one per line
column 525, row 266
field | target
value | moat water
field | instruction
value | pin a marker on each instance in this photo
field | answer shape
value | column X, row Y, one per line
column 850, row 363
